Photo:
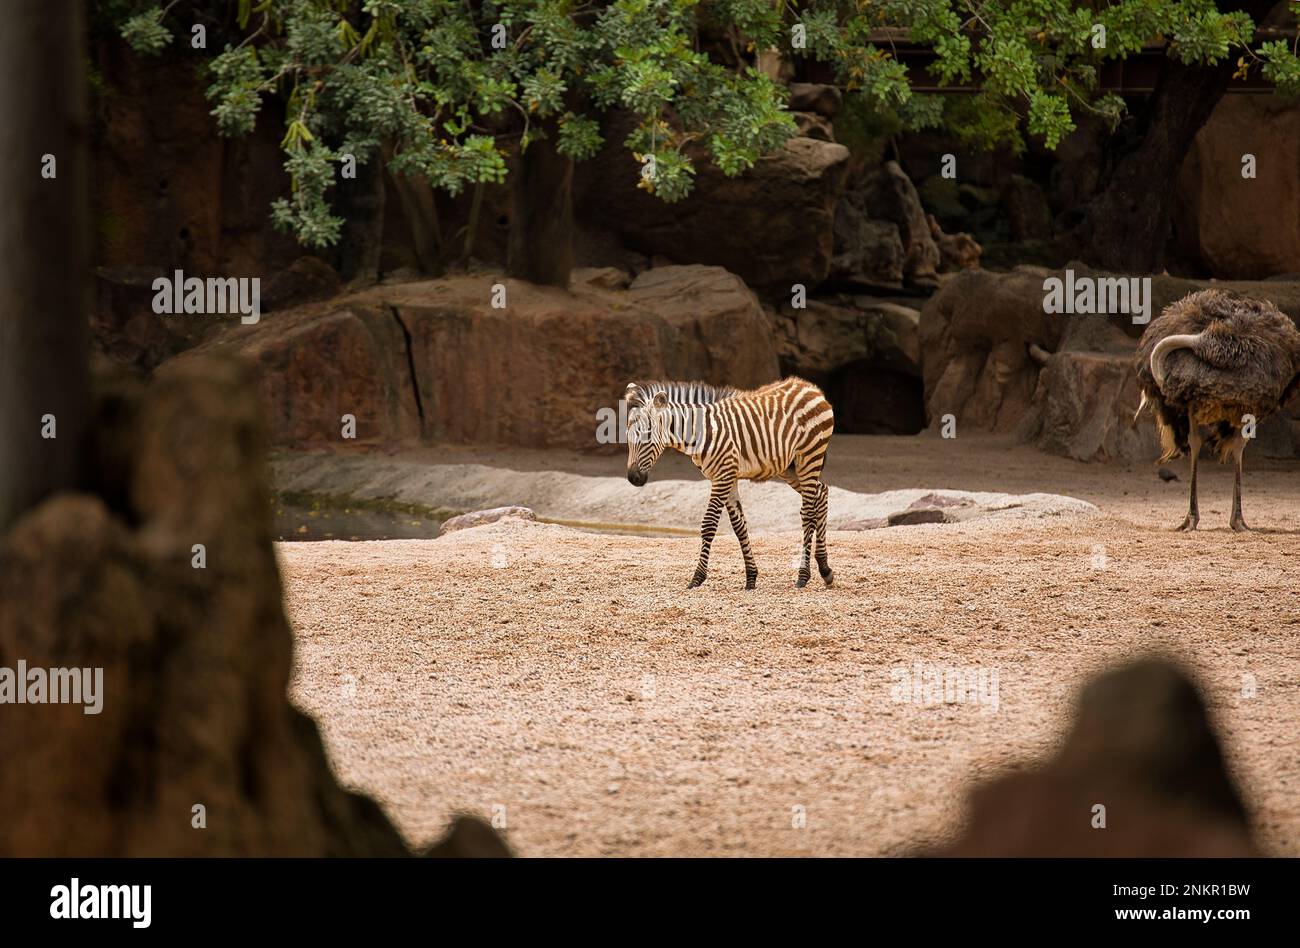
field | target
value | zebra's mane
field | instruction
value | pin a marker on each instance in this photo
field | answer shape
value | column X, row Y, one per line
column 686, row 393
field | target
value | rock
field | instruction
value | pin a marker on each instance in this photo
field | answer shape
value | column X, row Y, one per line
column 124, row 326
column 974, row 336
column 1242, row 228
column 814, row 97
column 956, row 251
column 941, row 500
column 888, row 194
column 975, row 199
column 870, row 523
column 196, row 662
column 479, row 518
column 537, row 372
column 1143, row 747
column 868, row 253
column 812, row 125
column 469, row 837
column 403, row 275
column 770, row 225
column 865, row 354
column 919, row 515
column 323, row 361
column 826, row 334
column 605, row 278
column 532, row 374
column 772, row 63
column 1083, row 406
column 1026, row 209
column 939, row 194
column 307, row 278
column 1166, row 475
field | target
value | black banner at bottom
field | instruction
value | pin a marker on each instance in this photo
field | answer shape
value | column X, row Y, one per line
column 300, row 897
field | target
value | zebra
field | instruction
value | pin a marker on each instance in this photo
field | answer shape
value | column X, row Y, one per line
column 779, row 430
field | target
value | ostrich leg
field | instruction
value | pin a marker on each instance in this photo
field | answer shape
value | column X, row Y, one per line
column 1238, row 451
column 1194, row 450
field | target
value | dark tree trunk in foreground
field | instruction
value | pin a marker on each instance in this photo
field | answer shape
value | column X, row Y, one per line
column 541, row 214
column 1126, row 226
column 44, row 253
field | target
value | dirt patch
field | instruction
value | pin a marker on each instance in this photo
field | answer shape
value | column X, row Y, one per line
column 572, row 680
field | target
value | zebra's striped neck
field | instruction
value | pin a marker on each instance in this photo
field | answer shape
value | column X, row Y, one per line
column 686, row 428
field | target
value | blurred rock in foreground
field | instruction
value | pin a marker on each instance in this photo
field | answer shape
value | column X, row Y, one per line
column 1142, row 747
column 196, row 661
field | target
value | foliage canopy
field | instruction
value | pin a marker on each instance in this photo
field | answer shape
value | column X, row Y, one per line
column 443, row 88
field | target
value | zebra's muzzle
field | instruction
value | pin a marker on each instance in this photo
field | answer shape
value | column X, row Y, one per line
column 636, row 478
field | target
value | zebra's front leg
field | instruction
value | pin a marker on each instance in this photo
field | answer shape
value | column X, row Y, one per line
column 717, row 497
column 742, row 534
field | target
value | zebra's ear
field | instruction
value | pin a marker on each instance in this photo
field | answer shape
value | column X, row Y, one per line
column 633, row 395
column 661, row 399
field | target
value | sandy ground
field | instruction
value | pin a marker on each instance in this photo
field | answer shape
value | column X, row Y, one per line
column 570, row 682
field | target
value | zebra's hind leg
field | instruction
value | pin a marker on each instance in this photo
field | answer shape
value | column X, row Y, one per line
column 819, row 515
column 717, row 496
column 809, row 494
column 737, row 515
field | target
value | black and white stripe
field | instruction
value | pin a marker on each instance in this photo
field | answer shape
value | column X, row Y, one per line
column 780, row 430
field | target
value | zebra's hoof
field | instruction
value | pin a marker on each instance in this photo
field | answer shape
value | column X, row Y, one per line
column 801, row 582
column 696, row 581
column 750, row 583
column 829, row 576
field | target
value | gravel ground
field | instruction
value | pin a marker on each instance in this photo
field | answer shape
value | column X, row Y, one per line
column 569, row 681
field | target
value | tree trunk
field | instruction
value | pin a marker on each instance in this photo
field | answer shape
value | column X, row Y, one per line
column 360, row 203
column 416, row 199
column 44, row 254
column 541, row 214
column 1126, row 226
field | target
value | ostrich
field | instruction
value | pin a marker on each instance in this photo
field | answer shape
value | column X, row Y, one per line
column 1209, row 361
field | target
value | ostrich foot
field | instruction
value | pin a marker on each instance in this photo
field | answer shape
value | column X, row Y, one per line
column 1239, row 525
column 1189, row 524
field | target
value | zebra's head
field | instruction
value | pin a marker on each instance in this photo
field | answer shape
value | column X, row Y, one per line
column 647, row 426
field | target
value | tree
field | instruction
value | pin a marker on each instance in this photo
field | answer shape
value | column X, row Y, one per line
column 458, row 92
column 44, row 255
column 452, row 92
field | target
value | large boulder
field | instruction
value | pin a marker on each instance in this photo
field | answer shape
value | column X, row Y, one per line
column 194, row 749
column 1237, row 227
column 437, row 359
column 995, row 361
column 318, row 363
column 1082, row 409
column 889, row 195
column 770, row 225
column 1141, row 774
